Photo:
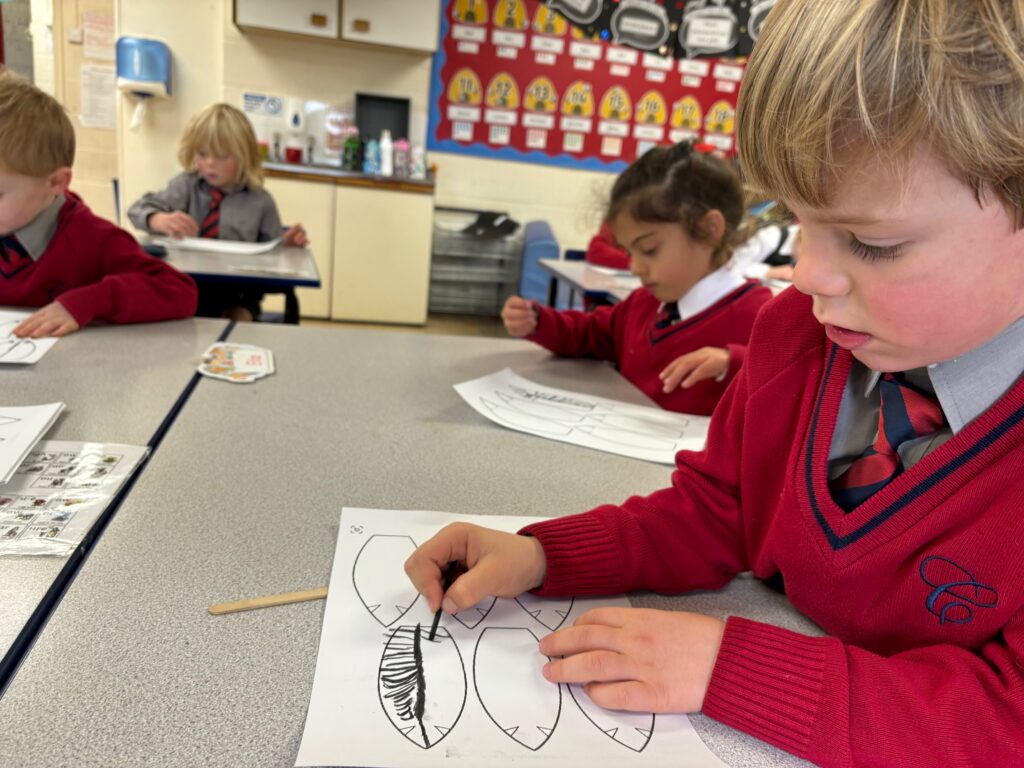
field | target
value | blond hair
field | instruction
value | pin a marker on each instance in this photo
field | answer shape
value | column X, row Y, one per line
column 36, row 136
column 831, row 84
column 223, row 130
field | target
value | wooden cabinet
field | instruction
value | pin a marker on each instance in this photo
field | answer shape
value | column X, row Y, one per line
column 313, row 206
column 408, row 24
column 305, row 17
column 398, row 23
column 381, row 255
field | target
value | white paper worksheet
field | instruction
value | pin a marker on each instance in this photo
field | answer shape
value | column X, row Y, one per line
column 637, row 431
column 218, row 246
column 386, row 695
column 16, row 349
column 21, row 427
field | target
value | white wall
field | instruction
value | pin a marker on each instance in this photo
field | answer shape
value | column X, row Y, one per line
column 194, row 31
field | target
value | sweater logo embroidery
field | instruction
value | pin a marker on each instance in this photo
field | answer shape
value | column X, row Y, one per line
column 954, row 591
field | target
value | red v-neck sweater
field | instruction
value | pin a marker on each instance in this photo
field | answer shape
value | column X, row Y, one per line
column 625, row 334
column 98, row 272
column 920, row 589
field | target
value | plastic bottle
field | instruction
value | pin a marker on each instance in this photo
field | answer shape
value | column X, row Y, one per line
column 418, row 163
column 387, row 158
column 401, row 158
column 371, row 157
column 352, row 153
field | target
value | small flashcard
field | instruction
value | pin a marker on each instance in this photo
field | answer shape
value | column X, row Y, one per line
column 237, row 363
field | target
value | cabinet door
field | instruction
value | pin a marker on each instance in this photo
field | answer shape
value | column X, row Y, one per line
column 312, row 205
column 304, row 17
column 401, row 23
column 382, row 244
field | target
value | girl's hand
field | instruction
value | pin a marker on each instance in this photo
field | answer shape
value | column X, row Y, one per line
column 687, row 370
column 176, row 224
column 637, row 659
column 295, row 235
column 519, row 316
column 51, row 320
column 497, row 563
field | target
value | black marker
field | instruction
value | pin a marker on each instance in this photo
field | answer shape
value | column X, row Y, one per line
column 449, row 574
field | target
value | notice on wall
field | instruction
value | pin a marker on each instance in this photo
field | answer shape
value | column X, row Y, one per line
column 98, row 35
column 99, row 87
column 514, row 79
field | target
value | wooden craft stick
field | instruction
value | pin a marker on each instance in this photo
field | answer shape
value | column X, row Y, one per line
column 267, row 601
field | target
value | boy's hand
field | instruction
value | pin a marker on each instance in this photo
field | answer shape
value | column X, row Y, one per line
column 51, row 320
column 519, row 316
column 687, row 370
column 497, row 563
column 295, row 235
column 176, row 224
column 637, row 659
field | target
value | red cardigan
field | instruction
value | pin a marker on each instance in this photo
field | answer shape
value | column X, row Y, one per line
column 625, row 334
column 920, row 589
column 99, row 272
column 604, row 252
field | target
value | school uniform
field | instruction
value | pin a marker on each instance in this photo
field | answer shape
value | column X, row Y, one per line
column 95, row 269
column 246, row 214
column 642, row 336
column 603, row 251
column 770, row 246
column 920, row 587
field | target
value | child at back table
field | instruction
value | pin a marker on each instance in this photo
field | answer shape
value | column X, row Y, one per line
column 219, row 195
column 871, row 452
column 681, row 337
column 54, row 252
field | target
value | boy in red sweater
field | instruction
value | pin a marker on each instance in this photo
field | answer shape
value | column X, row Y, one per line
column 54, row 252
column 871, row 451
column 680, row 338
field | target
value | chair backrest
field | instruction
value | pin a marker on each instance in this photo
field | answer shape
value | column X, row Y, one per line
column 538, row 243
column 572, row 254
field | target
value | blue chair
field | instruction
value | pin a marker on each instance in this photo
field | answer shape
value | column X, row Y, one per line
column 538, row 243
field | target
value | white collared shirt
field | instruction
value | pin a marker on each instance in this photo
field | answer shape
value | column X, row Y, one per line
column 707, row 291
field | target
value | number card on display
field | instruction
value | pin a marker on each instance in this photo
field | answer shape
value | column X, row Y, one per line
column 514, row 79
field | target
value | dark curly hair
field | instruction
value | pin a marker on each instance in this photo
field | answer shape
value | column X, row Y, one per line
column 679, row 185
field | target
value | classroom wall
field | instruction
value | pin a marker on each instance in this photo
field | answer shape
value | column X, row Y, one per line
column 214, row 60
column 95, row 148
column 194, row 31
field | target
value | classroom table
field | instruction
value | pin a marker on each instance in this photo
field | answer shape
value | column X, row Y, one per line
column 280, row 270
column 591, row 282
column 119, row 384
column 243, row 499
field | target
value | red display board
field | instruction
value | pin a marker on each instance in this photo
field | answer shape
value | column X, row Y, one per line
column 513, row 79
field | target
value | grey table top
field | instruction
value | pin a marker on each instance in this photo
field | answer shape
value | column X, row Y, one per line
column 118, row 382
column 243, row 498
column 588, row 279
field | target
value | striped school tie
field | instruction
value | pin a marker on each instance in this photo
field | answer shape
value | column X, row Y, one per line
column 211, row 224
column 668, row 315
column 13, row 255
column 905, row 414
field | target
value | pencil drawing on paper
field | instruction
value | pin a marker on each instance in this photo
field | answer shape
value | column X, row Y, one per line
column 630, row 729
column 470, row 617
column 609, row 425
column 379, row 578
column 422, row 684
column 551, row 612
column 511, row 689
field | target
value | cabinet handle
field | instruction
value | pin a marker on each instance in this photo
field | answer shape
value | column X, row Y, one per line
column 318, row 20
column 360, row 25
